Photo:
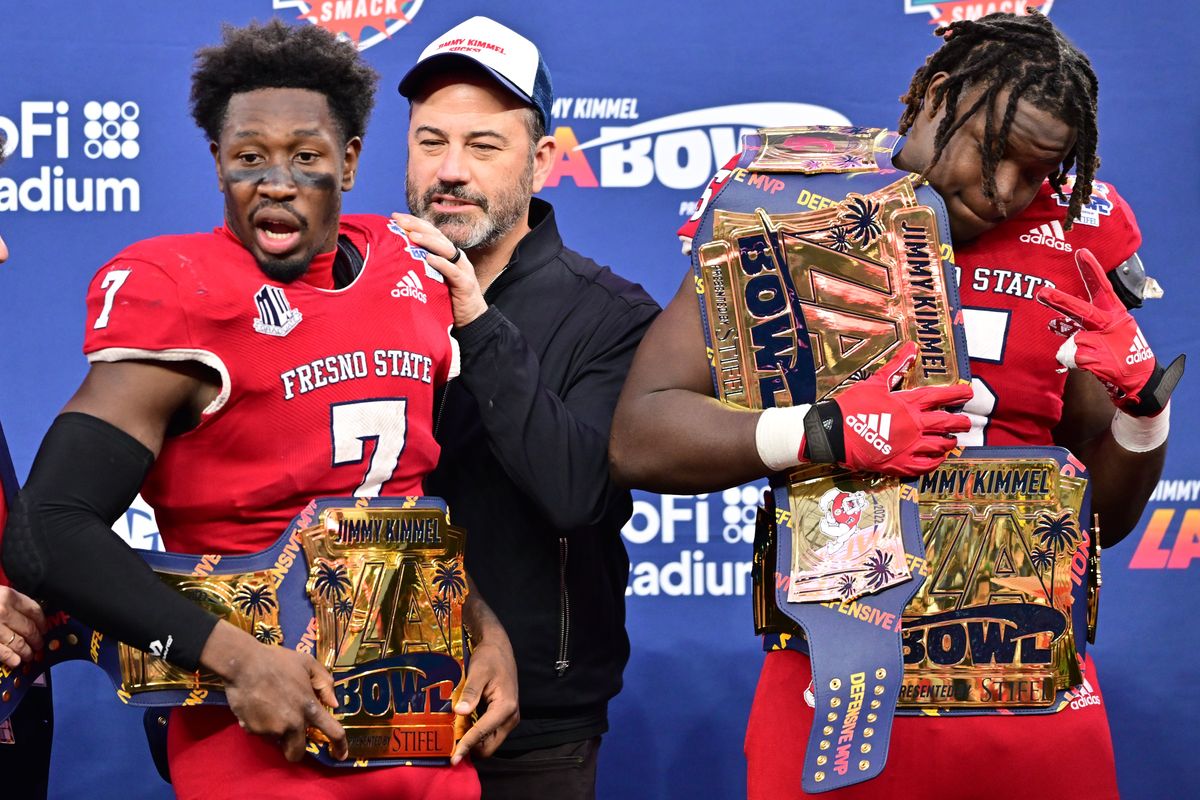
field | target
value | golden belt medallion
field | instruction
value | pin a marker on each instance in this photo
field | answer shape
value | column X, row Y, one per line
column 829, row 294
column 376, row 598
column 991, row 627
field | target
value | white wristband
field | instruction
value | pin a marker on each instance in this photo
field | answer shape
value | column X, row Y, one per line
column 779, row 435
column 1140, row 434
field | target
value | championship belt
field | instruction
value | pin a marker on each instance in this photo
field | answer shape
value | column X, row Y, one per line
column 1001, row 622
column 814, row 263
column 372, row 588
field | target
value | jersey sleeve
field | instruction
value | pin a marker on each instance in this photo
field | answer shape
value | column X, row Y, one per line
column 133, row 311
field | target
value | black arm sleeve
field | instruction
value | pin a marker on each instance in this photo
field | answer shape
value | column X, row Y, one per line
column 555, row 448
column 59, row 544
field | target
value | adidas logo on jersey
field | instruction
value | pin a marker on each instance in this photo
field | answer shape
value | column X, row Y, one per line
column 1139, row 350
column 874, row 429
column 1050, row 234
column 410, row 286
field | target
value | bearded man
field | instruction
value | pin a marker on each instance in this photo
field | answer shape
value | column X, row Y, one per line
column 546, row 338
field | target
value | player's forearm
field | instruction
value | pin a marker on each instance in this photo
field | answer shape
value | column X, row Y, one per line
column 1122, row 482
column 481, row 622
column 228, row 650
column 678, row 441
column 59, row 544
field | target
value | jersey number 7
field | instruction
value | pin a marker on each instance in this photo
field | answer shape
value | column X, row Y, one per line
column 355, row 423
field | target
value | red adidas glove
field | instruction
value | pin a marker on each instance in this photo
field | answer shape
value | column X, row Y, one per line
column 871, row 428
column 1108, row 343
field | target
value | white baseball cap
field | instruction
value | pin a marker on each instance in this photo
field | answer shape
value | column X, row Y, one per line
column 507, row 56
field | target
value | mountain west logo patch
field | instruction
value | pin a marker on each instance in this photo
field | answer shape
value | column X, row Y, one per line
column 349, row 19
column 276, row 317
column 1098, row 206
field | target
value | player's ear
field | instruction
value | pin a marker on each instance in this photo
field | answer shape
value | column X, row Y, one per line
column 350, row 163
column 215, row 149
column 929, row 107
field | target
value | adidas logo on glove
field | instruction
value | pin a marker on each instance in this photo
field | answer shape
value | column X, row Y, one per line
column 1139, row 351
column 1049, row 234
column 874, row 429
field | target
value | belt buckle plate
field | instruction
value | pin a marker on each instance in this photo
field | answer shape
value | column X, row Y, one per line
column 992, row 625
column 377, row 600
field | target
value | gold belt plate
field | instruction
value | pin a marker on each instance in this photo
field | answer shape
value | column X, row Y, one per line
column 386, row 586
column 867, row 273
column 991, row 626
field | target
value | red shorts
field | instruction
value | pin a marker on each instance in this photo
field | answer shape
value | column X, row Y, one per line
column 995, row 757
column 212, row 758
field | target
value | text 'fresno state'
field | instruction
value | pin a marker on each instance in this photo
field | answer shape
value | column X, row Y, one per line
column 321, row 372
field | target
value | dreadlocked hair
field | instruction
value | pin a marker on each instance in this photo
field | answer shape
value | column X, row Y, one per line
column 280, row 56
column 1029, row 56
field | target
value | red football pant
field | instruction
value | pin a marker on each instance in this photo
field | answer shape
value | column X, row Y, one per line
column 212, row 758
column 994, row 757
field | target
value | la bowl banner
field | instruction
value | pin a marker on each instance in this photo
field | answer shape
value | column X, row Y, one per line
column 676, row 151
column 352, row 18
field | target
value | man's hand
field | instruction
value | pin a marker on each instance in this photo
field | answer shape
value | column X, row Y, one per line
column 491, row 677
column 466, row 298
column 1109, row 343
column 274, row 691
column 871, row 428
column 21, row 627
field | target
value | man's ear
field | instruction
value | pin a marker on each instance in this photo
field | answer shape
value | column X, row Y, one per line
column 215, row 149
column 350, row 163
column 930, row 107
column 544, row 158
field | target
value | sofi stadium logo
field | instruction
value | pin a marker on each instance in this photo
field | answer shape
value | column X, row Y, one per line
column 351, row 19
column 946, row 11
column 47, row 132
column 691, row 545
column 680, row 151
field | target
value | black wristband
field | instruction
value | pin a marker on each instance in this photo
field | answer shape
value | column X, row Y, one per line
column 59, row 544
column 824, row 440
column 1153, row 397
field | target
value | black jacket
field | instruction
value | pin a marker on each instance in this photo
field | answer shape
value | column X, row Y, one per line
column 524, row 468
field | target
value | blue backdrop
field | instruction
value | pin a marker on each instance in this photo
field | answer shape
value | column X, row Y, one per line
column 93, row 99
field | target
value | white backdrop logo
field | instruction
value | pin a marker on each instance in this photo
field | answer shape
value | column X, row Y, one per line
column 47, row 132
column 111, row 130
column 350, row 19
column 679, row 151
column 692, row 545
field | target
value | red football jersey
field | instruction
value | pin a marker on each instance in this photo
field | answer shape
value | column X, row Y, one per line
column 1010, row 338
column 324, row 392
column 1017, row 401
